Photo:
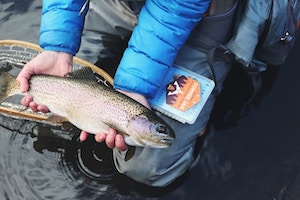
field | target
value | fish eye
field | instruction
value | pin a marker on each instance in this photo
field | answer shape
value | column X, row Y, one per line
column 161, row 128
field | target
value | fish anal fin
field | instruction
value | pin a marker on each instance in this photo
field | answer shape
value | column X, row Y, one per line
column 56, row 119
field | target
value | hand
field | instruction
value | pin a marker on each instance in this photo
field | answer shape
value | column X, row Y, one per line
column 47, row 62
column 112, row 138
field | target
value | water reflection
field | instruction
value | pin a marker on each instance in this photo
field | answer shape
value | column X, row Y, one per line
column 16, row 6
column 20, row 19
column 40, row 162
column 27, row 173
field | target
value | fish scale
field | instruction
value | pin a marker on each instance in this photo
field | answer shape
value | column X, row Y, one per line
column 73, row 97
column 94, row 108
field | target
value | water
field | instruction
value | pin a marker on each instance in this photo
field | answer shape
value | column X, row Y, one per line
column 257, row 157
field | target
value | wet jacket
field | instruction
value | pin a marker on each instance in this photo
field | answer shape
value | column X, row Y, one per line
column 163, row 27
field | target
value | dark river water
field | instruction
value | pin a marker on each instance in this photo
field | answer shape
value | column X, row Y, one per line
column 256, row 157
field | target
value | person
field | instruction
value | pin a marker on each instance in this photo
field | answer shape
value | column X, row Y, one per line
column 161, row 34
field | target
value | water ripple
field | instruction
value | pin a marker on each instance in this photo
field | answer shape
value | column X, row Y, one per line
column 31, row 170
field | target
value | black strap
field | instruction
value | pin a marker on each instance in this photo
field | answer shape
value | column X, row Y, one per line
column 214, row 50
column 219, row 52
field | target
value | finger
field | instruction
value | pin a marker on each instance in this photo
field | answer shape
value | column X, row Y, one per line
column 110, row 138
column 23, row 84
column 43, row 108
column 120, row 143
column 100, row 137
column 23, row 78
column 26, row 100
column 33, row 106
column 83, row 136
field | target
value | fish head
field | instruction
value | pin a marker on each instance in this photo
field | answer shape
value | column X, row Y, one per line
column 149, row 133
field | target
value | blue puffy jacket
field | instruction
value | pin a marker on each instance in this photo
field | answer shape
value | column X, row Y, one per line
column 163, row 27
column 61, row 25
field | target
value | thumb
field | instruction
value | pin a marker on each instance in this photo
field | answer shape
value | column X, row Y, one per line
column 23, row 83
column 24, row 77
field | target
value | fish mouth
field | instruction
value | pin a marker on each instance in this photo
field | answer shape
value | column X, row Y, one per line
column 164, row 142
column 155, row 142
column 167, row 142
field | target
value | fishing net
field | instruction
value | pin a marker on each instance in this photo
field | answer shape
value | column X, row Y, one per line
column 14, row 55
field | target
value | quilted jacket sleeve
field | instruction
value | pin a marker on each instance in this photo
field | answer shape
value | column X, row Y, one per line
column 61, row 25
column 163, row 27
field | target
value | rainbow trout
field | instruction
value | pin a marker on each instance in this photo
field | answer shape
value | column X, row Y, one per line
column 94, row 107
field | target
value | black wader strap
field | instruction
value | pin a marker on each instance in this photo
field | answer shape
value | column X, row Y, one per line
column 214, row 50
column 253, row 70
column 219, row 52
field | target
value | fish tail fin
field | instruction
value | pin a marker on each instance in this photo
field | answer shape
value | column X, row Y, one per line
column 10, row 86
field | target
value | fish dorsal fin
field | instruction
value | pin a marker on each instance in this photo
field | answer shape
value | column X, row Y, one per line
column 83, row 73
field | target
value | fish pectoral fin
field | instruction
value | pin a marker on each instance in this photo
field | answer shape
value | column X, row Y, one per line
column 129, row 140
column 56, row 119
